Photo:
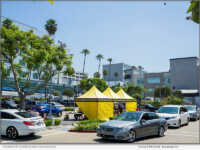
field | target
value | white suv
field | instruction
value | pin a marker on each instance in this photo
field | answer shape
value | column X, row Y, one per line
column 175, row 115
column 16, row 123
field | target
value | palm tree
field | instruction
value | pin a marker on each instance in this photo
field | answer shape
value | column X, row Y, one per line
column 85, row 52
column 140, row 68
column 134, row 67
column 110, row 61
column 51, row 27
column 99, row 58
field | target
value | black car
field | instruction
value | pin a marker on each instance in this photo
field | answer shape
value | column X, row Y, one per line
column 148, row 108
column 8, row 104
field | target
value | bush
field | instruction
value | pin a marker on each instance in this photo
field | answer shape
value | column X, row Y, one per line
column 48, row 122
column 57, row 122
column 111, row 118
column 69, row 109
column 88, row 125
column 175, row 100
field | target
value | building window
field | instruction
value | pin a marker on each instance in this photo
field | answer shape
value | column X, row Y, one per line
column 153, row 80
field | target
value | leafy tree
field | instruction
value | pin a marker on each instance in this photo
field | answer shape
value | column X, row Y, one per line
column 85, row 52
column 86, row 84
column 39, row 54
column 105, row 72
column 99, row 57
column 175, row 100
column 134, row 67
column 51, row 27
column 177, row 94
column 68, row 92
column 96, row 75
column 110, row 62
column 162, row 92
column 56, row 93
column 194, row 9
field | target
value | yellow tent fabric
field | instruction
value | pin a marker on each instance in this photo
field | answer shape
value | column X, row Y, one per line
column 94, row 105
column 130, row 106
column 110, row 94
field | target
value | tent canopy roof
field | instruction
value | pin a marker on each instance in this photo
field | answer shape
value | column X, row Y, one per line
column 93, row 93
column 123, row 95
column 110, row 94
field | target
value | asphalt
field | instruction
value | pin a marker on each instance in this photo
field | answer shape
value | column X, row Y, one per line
column 60, row 135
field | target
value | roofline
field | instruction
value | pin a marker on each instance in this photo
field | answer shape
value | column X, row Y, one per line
column 184, row 58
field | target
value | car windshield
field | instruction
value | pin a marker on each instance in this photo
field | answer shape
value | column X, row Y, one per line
column 26, row 114
column 129, row 116
column 192, row 108
column 168, row 110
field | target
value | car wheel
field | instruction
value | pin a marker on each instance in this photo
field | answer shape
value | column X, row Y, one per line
column 132, row 136
column 161, row 132
column 12, row 133
column 188, row 120
column 179, row 124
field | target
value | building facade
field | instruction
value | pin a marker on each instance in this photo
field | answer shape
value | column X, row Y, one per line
column 155, row 80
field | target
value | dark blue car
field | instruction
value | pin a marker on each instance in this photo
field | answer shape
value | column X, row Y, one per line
column 45, row 109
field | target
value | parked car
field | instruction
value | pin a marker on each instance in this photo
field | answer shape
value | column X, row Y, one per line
column 8, row 104
column 175, row 115
column 16, row 123
column 148, row 108
column 129, row 126
column 62, row 107
column 30, row 104
column 193, row 111
column 45, row 109
column 149, row 99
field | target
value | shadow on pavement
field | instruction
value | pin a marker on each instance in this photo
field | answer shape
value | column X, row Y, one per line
column 22, row 138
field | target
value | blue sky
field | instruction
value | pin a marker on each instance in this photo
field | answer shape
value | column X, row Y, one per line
column 136, row 33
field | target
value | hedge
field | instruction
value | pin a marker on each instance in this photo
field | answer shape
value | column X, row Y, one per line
column 88, row 125
column 69, row 109
column 57, row 122
column 48, row 122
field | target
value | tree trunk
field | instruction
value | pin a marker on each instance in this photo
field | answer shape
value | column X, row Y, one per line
column 84, row 63
column 99, row 66
column 58, row 81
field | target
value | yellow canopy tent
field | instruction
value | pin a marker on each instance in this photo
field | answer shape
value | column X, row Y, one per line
column 94, row 104
column 131, row 103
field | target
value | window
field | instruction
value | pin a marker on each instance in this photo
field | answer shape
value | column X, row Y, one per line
column 145, row 117
column 5, row 115
column 153, row 116
column 153, row 80
column 25, row 114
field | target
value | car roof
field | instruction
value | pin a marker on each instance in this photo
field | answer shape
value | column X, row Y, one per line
column 9, row 110
column 172, row 106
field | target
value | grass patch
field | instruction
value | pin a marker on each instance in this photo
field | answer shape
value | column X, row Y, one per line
column 69, row 109
column 87, row 125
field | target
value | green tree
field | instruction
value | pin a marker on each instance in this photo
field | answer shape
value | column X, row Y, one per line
column 99, row 57
column 134, row 67
column 68, row 92
column 86, row 84
column 51, row 27
column 56, row 93
column 194, row 10
column 162, row 92
column 85, row 52
column 105, row 72
column 110, row 62
column 96, row 75
column 39, row 54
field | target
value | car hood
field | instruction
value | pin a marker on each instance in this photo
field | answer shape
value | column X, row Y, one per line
column 167, row 115
column 117, row 123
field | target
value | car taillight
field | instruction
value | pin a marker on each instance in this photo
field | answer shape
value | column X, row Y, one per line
column 29, row 123
column 137, row 109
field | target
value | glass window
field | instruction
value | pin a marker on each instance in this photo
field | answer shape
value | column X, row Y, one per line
column 5, row 115
column 168, row 110
column 153, row 116
column 26, row 114
column 153, row 80
column 129, row 116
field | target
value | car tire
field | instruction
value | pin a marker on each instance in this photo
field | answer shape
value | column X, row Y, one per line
column 188, row 120
column 161, row 131
column 179, row 124
column 12, row 132
column 132, row 136
column 59, row 114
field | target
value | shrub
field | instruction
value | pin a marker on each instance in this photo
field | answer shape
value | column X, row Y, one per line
column 111, row 118
column 175, row 100
column 88, row 125
column 156, row 104
column 48, row 122
column 69, row 109
column 57, row 122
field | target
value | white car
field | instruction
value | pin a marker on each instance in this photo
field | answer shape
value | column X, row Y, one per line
column 16, row 123
column 175, row 115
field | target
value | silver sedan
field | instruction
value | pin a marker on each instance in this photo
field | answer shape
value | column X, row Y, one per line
column 129, row 126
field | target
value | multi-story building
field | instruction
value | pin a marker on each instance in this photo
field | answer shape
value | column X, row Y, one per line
column 115, row 72
column 185, row 77
column 135, row 76
column 155, row 80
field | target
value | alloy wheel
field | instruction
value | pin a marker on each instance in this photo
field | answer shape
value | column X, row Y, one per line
column 132, row 136
column 161, row 131
column 12, row 132
column 179, row 123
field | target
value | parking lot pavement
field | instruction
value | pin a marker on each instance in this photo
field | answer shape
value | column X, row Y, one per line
column 186, row 134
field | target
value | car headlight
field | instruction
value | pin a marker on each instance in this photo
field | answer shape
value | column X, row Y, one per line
column 121, row 129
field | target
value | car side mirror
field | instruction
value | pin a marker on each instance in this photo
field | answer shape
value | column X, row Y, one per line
column 142, row 121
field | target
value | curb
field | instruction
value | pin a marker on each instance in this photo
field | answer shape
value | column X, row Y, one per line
column 83, row 131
